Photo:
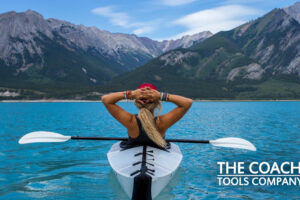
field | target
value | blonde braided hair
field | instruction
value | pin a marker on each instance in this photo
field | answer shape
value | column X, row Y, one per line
column 146, row 115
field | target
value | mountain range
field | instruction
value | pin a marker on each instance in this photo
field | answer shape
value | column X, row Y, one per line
column 37, row 52
column 257, row 60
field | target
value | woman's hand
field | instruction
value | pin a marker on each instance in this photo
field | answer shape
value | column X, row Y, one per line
column 152, row 95
column 138, row 94
column 145, row 95
column 135, row 94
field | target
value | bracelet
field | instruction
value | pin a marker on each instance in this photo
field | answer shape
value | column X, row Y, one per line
column 167, row 97
column 127, row 94
column 164, row 96
column 161, row 95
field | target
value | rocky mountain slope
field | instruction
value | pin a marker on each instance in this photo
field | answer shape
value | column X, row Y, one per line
column 293, row 11
column 36, row 52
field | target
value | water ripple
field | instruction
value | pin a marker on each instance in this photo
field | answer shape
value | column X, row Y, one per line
column 79, row 169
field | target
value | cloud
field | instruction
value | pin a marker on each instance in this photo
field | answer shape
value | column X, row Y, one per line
column 144, row 29
column 122, row 19
column 216, row 19
column 176, row 2
column 116, row 18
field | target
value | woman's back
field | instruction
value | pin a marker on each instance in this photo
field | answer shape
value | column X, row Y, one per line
column 139, row 135
column 147, row 99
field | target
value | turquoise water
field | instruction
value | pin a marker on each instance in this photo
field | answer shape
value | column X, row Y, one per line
column 79, row 169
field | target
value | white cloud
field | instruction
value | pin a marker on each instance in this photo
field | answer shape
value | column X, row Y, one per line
column 122, row 19
column 143, row 30
column 216, row 19
column 116, row 18
column 176, row 2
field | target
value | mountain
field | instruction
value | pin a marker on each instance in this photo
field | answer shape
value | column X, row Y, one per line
column 273, row 41
column 257, row 60
column 293, row 11
column 184, row 42
column 51, row 53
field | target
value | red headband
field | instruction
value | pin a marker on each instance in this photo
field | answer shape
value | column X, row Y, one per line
column 147, row 85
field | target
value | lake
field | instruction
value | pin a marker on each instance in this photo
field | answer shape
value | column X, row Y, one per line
column 80, row 170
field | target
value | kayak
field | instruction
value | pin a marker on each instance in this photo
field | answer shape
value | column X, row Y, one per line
column 144, row 171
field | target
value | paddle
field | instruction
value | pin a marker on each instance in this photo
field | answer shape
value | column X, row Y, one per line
column 45, row 136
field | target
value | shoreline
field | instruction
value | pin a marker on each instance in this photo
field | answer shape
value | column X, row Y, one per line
column 95, row 101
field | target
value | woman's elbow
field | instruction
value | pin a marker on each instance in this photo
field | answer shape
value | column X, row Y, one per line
column 189, row 102
column 104, row 99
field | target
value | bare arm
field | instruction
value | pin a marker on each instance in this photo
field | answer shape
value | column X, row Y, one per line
column 116, row 111
column 166, row 120
column 170, row 118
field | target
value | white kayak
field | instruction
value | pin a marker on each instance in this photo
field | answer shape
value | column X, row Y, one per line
column 130, row 164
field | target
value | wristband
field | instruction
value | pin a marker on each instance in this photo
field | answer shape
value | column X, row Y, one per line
column 161, row 96
column 164, row 96
column 128, row 94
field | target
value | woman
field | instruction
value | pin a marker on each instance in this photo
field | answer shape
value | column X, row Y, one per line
column 145, row 128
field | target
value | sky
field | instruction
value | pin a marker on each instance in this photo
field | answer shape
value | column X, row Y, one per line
column 156, row 19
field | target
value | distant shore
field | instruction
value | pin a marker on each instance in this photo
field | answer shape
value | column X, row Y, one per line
column 86, row 101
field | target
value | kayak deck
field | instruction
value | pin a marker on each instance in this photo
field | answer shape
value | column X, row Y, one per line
column 157, row 163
